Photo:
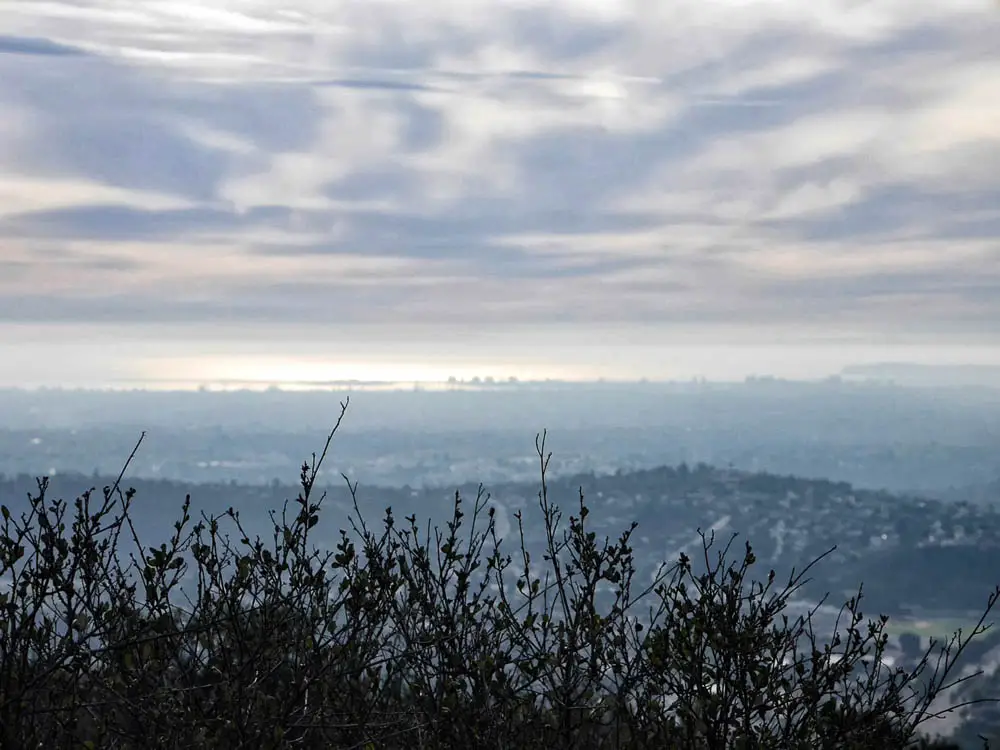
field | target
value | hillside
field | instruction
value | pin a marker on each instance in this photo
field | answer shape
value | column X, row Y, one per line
column 928, row 564
column 918, row 557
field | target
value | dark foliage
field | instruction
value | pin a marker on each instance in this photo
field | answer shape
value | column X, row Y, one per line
column 411, row 637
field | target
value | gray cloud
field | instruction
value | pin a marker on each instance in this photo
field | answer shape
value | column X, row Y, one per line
column 101, row 120
column 546, row 30
column 126, row 223
column 19, row 45
column 374, row 84
column 893, row 207
column 537, row 163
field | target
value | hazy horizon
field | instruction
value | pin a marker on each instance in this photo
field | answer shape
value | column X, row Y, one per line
column 903, row 374
column 101, row 359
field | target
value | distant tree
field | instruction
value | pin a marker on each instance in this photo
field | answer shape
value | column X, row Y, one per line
column 909, row 643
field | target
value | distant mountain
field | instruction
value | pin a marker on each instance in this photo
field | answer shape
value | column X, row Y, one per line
column 909, row 374
column 987, row 493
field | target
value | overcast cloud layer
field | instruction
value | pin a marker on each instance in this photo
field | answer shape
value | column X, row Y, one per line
column 825, row 170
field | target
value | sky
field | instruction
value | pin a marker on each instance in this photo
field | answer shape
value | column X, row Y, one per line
column 403, row 190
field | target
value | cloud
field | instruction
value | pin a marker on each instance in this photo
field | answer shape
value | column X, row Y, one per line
column 20, row 45
column 774, row 164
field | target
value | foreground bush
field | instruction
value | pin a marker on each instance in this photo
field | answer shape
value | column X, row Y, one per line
column 407, row 637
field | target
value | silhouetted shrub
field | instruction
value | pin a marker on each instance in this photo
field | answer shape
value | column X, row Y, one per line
column 410, row 637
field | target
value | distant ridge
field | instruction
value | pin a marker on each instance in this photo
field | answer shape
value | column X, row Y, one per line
column 907, row 373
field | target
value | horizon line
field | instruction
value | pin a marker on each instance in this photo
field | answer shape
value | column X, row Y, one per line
column 252, row 386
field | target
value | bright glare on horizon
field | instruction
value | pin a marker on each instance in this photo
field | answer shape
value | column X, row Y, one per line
column 286, row 372
column 719, row 363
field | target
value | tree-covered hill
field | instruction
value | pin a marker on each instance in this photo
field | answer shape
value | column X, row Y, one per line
column 694, row 538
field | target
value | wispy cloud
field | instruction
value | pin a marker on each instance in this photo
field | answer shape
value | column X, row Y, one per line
column 778, row 164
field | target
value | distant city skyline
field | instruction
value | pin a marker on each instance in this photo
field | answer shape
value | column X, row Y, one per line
column 102, row 359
